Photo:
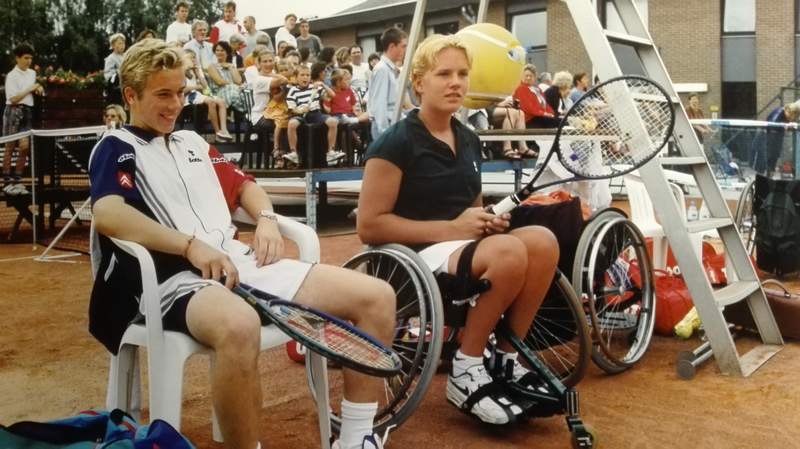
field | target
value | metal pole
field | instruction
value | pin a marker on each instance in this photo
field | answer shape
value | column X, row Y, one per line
column 483, row 9
column 35, row 208
column 413, row 37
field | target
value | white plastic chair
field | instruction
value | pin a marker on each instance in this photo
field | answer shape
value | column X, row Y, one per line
column 643, row 215
column 168, row 351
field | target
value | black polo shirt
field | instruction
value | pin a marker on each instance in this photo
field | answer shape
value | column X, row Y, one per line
column 436, row 184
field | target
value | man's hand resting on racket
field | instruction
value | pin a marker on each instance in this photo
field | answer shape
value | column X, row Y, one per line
column 267, row 242
column 212, row 263
column 476, row 222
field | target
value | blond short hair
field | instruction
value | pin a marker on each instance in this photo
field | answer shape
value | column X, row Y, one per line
column 425, row 58
column 563, row 80
column 115, row 37
column 145, row 58
column 123, row 117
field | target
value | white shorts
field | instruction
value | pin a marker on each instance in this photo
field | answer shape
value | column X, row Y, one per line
column 438, row 255
column 282, row 279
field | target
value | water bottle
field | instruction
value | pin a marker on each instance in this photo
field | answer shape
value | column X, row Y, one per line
column 691, row 213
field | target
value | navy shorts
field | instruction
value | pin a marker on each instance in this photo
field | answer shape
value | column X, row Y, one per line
column 311, row 118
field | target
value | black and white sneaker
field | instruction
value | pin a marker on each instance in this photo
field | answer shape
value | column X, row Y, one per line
column 475, row 392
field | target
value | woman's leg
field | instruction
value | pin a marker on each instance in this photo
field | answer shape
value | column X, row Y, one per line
column 502, row 259
column 212, row 114
column 542, row 255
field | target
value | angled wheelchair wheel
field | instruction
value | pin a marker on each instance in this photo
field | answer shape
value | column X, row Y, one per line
column 745, row 217
column 612, row 274
column 559, row 334
column 417, row 338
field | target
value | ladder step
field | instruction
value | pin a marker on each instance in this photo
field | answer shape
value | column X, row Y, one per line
column 627, row 39
column 756, row 357
column 708, row 224
column 735, row 292
column 682, row 160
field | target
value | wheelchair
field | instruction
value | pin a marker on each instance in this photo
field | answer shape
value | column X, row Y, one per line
column 558, row 345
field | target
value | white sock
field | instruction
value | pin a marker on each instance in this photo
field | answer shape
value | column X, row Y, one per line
column 258, row 445
column 357, row 419
column 462, row 361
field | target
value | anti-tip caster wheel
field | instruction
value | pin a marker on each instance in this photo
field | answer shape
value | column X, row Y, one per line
column 583, row 437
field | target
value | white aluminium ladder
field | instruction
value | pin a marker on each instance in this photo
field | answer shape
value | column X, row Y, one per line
column 743, row 282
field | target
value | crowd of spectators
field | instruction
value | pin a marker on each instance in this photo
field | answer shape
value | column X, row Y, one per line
column 296, row 80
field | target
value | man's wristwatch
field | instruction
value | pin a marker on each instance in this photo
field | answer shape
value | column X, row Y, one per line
column 268, row 214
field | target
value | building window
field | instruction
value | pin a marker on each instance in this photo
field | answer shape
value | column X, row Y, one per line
column 611, row 18
column 442, row 28
column 739, row 16
column 369, row 45
column 531, row 30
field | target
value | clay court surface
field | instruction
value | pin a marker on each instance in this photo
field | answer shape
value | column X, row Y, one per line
column 50, row 367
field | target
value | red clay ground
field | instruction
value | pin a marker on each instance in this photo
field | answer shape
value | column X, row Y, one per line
column 50, row 367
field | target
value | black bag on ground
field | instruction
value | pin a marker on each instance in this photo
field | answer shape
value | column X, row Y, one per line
column 777, row 205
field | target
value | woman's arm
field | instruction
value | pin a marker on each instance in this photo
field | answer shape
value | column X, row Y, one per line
column 215, row 76
column 235, row 75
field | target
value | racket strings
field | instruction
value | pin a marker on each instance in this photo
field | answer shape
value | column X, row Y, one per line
column 334, row 337
column 620, row 124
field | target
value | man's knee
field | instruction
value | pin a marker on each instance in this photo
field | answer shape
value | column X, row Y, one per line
column 293, row 124
column 239, row 329
column 377, row 303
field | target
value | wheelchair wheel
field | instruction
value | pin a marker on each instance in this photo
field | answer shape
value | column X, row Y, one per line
column 618, row 297
column 559, row 333
column 745, row 216
column 417, row 338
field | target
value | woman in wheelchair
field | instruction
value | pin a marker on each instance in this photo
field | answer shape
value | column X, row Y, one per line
column 422, row 188
column 163, row 190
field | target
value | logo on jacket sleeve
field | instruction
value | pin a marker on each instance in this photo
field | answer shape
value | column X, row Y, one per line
column 125, row 180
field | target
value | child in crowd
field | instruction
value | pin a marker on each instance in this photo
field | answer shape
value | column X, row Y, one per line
column 304, row 106
column 344, row 99
column 20, row 85
column 193, row 95
column 278, row 111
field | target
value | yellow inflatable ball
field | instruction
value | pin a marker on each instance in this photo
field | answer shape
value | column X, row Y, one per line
column 497, row 61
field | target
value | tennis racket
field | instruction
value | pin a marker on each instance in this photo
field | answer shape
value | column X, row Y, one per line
column 613, row 129
column 326, row 335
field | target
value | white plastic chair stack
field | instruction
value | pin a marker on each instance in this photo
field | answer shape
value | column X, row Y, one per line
column 168, row 351
column 643, row 215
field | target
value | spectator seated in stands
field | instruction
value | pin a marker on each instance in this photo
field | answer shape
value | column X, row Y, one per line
column 557, row 95
column 292, row 57
column 278, row 111
column 344, row 100
column 225, row 80
column 193, row 95
column 262, row 84
column 538, row 114
column 304, row 107
column 237, row 44
column 254, row 68
column 114, row 116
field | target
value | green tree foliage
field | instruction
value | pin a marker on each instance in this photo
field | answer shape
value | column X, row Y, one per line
column 73, row 34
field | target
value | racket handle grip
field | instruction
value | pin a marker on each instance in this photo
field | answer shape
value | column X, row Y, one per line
column 506, row 205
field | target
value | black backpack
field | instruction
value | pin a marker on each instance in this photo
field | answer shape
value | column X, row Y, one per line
column 776, row 206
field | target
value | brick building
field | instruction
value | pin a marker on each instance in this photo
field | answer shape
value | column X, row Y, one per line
column 737, row 53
